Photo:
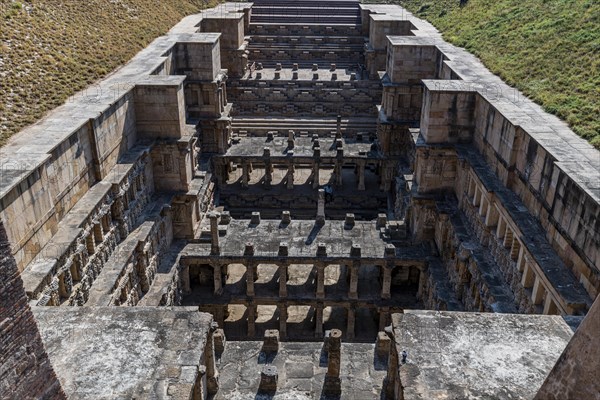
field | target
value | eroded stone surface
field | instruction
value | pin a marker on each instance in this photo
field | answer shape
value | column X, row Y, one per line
column 476, row 355
column 125, row 352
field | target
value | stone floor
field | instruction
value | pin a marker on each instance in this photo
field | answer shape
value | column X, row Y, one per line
column 301, row 368
column 456, row 355
column 124, row 352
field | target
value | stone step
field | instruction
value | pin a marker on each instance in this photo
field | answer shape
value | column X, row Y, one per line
column 306, row 19
column 315, row 39
column 300, row 29
column 308, row 126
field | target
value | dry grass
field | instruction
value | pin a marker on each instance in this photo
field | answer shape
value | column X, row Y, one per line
column 50, row 49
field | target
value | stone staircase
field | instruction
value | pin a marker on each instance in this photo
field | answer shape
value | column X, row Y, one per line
column 290, row 43
column 306, row 12
column 260, row 126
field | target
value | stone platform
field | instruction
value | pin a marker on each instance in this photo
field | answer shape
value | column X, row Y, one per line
column 454, row 355
column 125, row 352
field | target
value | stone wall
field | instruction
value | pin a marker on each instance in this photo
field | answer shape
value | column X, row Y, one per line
column 26, row 371
column 575, row 375
column 552, row 172
column 52, row 164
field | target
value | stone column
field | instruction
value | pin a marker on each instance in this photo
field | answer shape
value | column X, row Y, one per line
column 214, row 233
column 315, row 173
column 283, row 276
column 320, row 280
column 383, row 316
column 219, row 312
column 250, row 277
column 282, row 320
column 332, row 385
column 251, row 319
column 90, row 244
column 268, row 167
column 319, row 320
column 245, row 174
column 386, row 177
column 321, row 208
column 361, row 176
column 353, row 292
column 387, row 282
column 337, row 171
column 212, row 374
column 290, row 175
column 351, row 322
column 185, row 278
column 220, row 170
column 218, row 279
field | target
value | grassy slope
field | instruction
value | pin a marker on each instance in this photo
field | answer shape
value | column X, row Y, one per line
column 549, row 49
column 51, row 49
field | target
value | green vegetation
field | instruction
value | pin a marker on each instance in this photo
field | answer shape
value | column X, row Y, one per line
column 51, row 49
column 548, row 49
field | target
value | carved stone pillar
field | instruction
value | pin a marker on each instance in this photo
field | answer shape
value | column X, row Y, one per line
column 383, row 317
column 251, row 319
column 321, row 208
column 315, row 175
column 387, row 282
column 218, row 279
column 185, row 279
column 361, row 176
column 332, row 385
column 268, row 167
column 319, row 320
column 353, row 292
column 282, row 319
column 245, row 174
column 283, row 276
column 351, row 322
column 250, row 278
column 290, row 176
column 214, row 232
column 320, row 280
column 337, row 171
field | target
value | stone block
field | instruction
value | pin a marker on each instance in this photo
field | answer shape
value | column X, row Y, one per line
column 283, row 249
column 219, row 338
column 383, row 344
column 271, row 341
column 350, row 220
column 249, row 249
column 321, row 250
column 356, row 250
column 286, row 217
column 268, row 379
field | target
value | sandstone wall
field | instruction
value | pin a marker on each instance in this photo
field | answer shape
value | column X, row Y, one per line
column 575, row 375
column 26, row 371
column 47, row 168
